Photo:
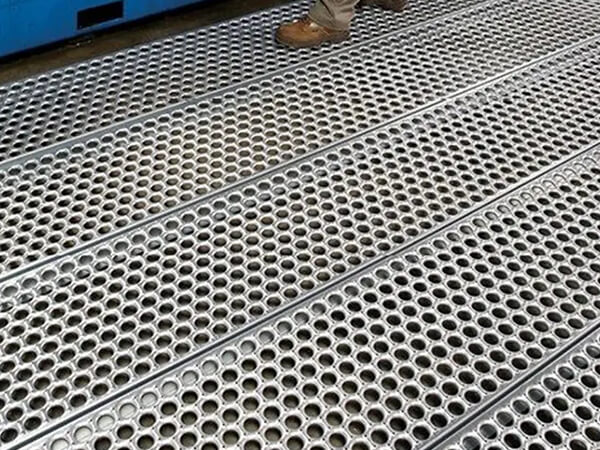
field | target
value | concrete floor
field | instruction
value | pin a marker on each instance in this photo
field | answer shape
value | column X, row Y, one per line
column 127, row 35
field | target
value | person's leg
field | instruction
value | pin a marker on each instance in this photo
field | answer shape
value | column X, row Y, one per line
column 327, row 21
column 307, row 33
column 333, row 14
column 337, row 14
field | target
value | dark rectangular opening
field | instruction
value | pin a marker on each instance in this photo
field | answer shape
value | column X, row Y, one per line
column 99, row 14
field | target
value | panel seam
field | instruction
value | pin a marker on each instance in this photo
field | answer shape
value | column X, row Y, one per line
column 243, row 182
column 64, row 145
column 451, row 434
column 321, row 291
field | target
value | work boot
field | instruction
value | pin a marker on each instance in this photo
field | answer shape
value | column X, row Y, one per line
column 392, row 5
column 306, row 33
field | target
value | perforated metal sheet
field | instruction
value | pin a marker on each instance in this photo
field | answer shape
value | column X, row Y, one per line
column 75, row 331
column 558, row 409
column 397, row 355
column 66, row 103
column 59, row 201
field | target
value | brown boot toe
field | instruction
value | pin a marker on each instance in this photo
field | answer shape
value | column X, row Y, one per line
column 306, row 33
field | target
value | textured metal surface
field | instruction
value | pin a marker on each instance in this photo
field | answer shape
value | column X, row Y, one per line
column 66, row 103
column 397, row 355
column 75, row 331
column 58, row 201
column 558, row 409
column 365, row 247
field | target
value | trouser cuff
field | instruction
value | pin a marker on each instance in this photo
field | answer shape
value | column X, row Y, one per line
column 321, row 16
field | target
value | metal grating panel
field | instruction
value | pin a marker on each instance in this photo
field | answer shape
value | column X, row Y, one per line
column 367, row 246
column 97, row 321
column 58, row 201
column 397, row 355
column 558, row 409
column 79, row 99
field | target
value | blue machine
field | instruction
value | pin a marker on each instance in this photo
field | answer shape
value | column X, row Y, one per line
column 25, row 24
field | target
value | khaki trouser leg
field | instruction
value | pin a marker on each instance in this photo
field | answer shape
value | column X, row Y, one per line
column 334, row 14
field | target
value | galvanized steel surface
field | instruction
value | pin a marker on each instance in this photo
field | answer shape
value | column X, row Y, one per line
column 66, row 103
column 194, row 277
column 402, row 351
column 367, row 246
column 558, row 408
column 59, row 200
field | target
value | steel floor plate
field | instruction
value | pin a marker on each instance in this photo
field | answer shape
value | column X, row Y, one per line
column 97, row 94
column 60, row 199
column 387, row 243
column 399, row 354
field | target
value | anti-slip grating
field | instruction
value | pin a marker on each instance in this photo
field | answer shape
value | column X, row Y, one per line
column 59, row 105
column 79, row 329
column 395, row 356
column 558, row 409
column 58, row 201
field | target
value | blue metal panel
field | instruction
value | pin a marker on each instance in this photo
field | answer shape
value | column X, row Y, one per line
column 25, row 24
